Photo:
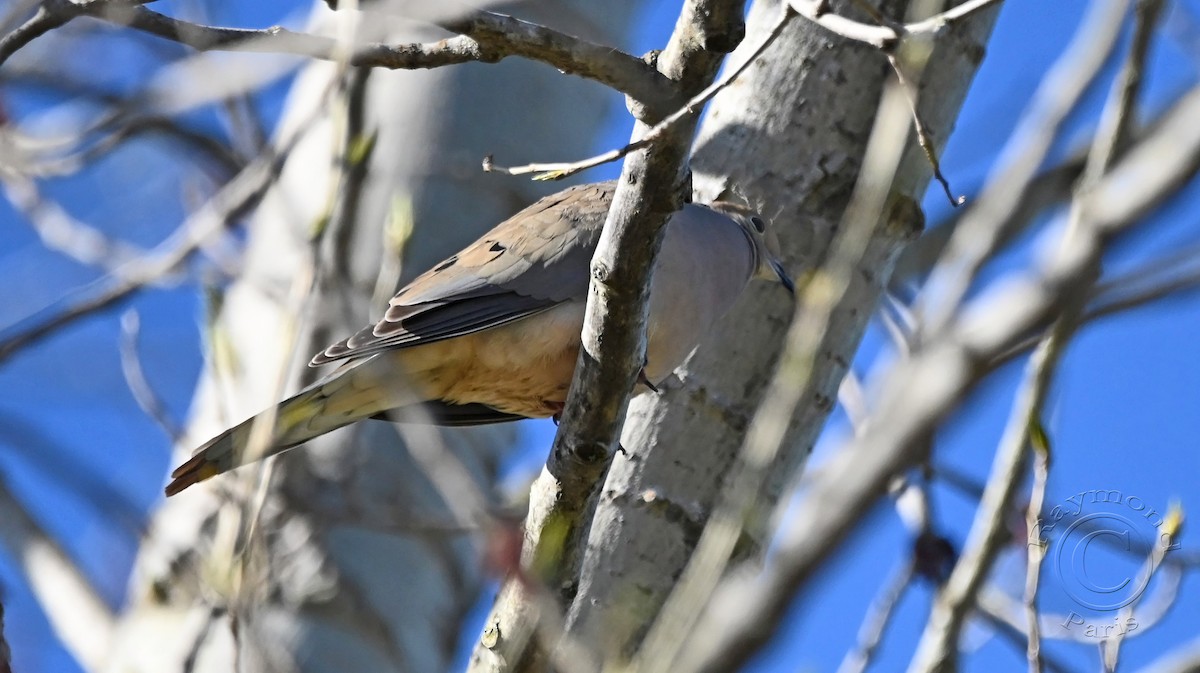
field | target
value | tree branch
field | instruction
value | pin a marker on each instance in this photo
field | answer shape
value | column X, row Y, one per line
column 481, row 36
column 651, row 188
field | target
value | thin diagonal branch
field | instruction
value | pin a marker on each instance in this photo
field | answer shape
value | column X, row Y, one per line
column 879, row 616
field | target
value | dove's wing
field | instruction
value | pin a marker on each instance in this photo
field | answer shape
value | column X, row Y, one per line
column 529, row 263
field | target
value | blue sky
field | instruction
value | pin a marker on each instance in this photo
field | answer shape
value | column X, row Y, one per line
column 1123, row 413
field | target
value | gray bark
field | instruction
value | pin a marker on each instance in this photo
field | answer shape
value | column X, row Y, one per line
column 346, row 569
column 790, row 135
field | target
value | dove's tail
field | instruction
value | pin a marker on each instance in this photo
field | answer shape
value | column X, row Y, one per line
column 310, row 413
column 348, row 395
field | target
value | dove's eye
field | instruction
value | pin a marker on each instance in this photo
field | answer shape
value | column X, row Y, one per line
column 758, row 223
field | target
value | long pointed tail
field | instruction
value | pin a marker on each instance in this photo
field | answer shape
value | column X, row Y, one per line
column 339, row 400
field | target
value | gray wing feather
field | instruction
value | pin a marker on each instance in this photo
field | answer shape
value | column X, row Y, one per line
column 529, row 263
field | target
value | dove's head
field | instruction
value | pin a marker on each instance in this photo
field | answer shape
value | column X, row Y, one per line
column 766, row 243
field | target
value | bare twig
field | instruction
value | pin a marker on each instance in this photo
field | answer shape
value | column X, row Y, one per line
column 50, row 14
column 887, row 35
column 923, row 136
column 558, row 171
column 879, row 615
column 1035, row 546
column 1167, row 537
column 16, row 14
column 135, row 378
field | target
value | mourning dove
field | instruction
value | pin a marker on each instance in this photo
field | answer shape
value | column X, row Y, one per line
column 492, row 333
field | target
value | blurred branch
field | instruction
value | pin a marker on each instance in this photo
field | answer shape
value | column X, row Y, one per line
column 79, row 616
column 1050, row 188
column 938, row 648
column 1016, row 636
column 999, row 607
column 1166, row 540
column 879, row 615
column 1161, row 278
column 228, row 204
column 135, row 378
column 481, row 36
column 922, row 389
column 887, row 35
column 122, row 122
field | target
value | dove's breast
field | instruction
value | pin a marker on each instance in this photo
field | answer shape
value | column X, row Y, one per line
column 523, row 367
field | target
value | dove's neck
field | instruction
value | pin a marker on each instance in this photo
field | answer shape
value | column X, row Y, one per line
column 705, row 262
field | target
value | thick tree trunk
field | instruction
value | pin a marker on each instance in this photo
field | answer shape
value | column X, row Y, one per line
column 790, row 135
column 350, row 565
